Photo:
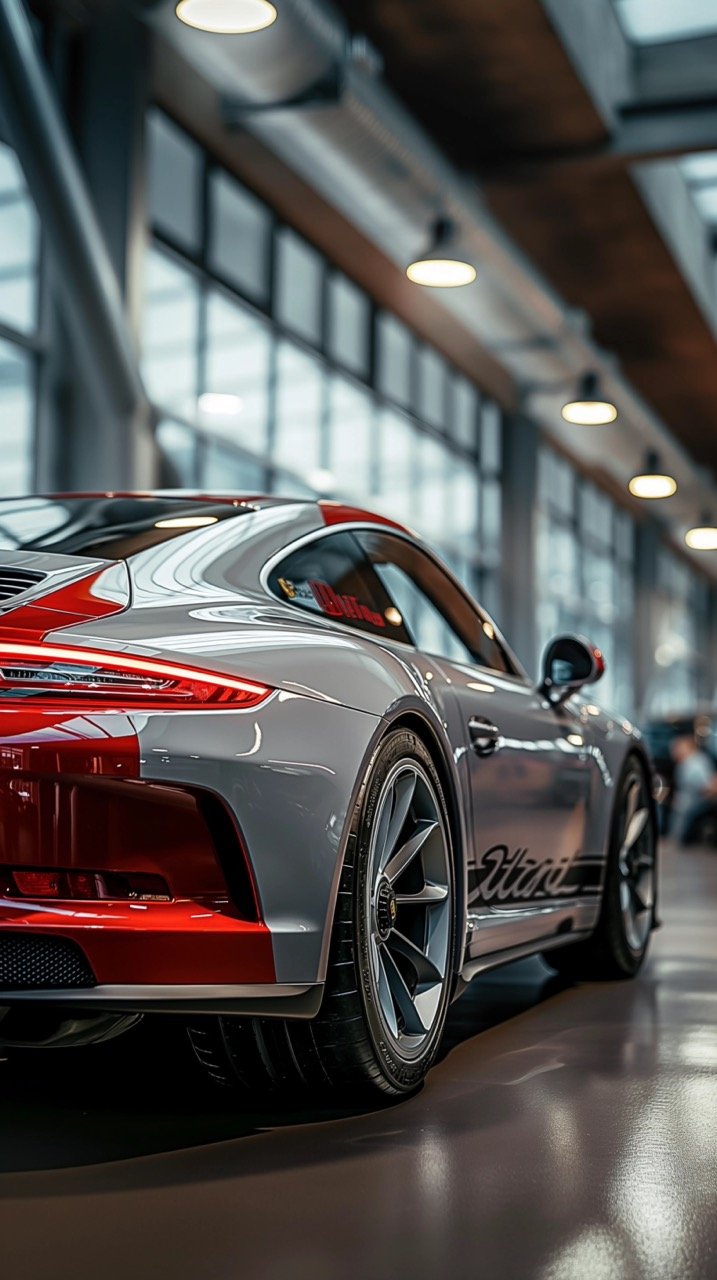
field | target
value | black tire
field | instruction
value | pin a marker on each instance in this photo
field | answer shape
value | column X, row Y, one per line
column 610, row 953
column 346, row 1046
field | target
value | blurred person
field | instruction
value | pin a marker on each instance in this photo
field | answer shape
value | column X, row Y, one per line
column 695, row 795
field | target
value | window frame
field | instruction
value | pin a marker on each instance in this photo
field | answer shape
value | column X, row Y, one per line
column 516, row 671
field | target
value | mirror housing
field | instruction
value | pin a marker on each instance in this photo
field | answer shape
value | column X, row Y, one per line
column 569, row 662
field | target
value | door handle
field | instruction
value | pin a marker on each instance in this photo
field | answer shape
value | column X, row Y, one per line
column 485, row 736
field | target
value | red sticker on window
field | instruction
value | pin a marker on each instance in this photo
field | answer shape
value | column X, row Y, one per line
column 336, row 606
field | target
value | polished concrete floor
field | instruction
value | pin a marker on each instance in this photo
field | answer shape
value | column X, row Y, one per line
column 569, row 1133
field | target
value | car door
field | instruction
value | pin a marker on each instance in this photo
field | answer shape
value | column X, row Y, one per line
column 527, row 764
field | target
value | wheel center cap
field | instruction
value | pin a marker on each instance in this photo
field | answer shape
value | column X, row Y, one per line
column 386, row 910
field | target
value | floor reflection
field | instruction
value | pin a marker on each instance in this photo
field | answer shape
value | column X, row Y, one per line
column 565, row 1132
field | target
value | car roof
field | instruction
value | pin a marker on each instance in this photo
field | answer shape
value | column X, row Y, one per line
column 333, row 513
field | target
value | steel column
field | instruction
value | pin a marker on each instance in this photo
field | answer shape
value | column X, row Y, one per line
column 90, row 296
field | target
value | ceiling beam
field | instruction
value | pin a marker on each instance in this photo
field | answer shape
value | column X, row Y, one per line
column 656, row 131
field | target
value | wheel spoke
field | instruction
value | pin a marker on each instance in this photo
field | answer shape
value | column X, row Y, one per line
column 426, row 971
column 401, row 798
column 428, row 896
column 408, row 851
column 413, row 1024
column 631, row 801
column 635, row 827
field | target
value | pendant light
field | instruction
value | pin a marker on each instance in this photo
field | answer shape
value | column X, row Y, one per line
column 227, row 17
column 653, row 482
column 703, row 537
column 445, row 263
column 590, row 408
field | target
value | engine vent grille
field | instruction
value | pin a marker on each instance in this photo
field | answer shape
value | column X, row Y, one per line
column 31, row 963
column 14, row 581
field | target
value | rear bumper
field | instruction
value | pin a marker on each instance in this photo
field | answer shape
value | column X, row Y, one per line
column 240, row 814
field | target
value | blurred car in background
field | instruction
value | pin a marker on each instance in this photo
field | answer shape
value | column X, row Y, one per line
column 659, row 735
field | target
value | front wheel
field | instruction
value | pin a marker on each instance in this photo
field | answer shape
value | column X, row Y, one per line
column 391, row 961
column 620, row 941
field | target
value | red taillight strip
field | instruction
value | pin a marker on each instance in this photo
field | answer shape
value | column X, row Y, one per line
column 250, row 693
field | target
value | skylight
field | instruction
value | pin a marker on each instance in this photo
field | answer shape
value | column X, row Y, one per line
column 662, row 21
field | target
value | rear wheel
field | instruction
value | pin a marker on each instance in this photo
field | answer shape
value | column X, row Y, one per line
column 390, row 969
column 619, row 944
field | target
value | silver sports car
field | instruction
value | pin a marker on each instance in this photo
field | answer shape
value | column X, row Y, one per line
column 265, row 765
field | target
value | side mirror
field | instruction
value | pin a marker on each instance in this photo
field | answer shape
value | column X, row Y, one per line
column 569, row 663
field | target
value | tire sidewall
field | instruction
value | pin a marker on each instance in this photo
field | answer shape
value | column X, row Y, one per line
column 627, row 959
column 401, row 1075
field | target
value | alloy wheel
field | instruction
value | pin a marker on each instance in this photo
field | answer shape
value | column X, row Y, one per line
column 636, row 863
column 409, row 891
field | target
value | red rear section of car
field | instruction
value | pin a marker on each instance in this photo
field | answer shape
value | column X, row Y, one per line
column 105, row 878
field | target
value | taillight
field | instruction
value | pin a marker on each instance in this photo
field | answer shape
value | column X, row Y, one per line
column 88, row 886
column 59, row 676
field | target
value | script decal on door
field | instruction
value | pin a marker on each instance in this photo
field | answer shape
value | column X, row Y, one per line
column 506, row 876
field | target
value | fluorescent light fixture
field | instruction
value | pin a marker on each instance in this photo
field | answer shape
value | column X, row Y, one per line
column 185, row 522
column 227, row 17
column 444, row 264
column 652, row 482
column 216, row 404
column 589, row 408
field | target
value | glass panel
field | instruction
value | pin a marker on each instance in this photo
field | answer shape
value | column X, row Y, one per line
column 349, row 325
column 706, row 200
column 286, row 484
column 556, row 483
column 599, row 587
column 19, row 247
column 395, row 351
column 438, row 615
column 658, row 21
column 396, row 465
column 17, row 410
column 351, row 437
column 700, row 168
column 596, row 513
column 427, row 625
column 224, row 468
column 240, row 236
column 237, row 374
column 558, row 566
column 171, row 335
column 491, row 515
column 299, row 281
column 491, row 446
column 463, row 422
column 463, row 506
column 178, row 455
column 333, row 578
column 431, row 496
column 299, row 410
column 431, row 387
column 175, row 172
column 624, row 537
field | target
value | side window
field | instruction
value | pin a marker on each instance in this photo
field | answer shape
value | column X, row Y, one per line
column 439, row 617
column 332, row 576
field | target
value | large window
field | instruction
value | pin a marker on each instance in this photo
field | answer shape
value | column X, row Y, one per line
column 272, row 370
column 585, row 572
column 19, row 320
column 681, row 667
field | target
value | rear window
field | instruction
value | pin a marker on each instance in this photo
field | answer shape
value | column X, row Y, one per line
column 332, row 576
column 102, row 527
